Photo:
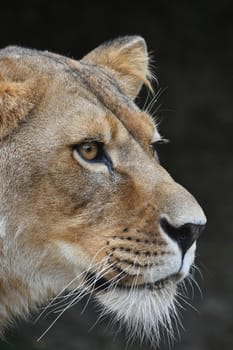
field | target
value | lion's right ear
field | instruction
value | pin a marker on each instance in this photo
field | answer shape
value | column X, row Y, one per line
column 128, row 59
column 16, row 100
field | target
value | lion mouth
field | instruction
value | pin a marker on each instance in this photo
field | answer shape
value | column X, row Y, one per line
column 101, row 284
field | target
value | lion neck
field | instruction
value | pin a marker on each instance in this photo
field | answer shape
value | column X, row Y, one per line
column 23, row 285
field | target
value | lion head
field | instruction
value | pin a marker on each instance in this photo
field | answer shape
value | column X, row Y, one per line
column 85, row 205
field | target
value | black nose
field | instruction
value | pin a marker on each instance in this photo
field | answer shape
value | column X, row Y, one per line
column 184, row 235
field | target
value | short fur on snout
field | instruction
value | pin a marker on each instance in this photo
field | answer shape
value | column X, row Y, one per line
column 72, row 227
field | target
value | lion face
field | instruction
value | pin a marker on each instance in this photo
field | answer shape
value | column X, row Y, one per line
column 87, row 201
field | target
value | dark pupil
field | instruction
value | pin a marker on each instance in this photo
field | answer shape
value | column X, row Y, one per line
column 88, row 148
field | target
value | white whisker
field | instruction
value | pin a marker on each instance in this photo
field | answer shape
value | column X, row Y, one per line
column 85, row 291
column 192, row 279
column 67, row 285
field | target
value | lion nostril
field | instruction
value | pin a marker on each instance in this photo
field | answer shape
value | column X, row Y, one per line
column 184, row 235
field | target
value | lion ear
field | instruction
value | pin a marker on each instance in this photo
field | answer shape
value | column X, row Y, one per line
column 16, row 101
column 128, row 60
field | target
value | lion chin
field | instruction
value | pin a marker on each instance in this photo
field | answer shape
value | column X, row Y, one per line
column 142, row 310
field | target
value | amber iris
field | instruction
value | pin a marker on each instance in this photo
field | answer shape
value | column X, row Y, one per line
column 89, row 150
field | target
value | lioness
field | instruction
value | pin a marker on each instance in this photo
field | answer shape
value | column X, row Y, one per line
column 85, row 206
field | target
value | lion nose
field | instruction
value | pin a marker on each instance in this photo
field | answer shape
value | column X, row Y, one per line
column 184, row 235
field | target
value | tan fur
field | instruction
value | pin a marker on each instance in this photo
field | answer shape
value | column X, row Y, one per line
column 128, row 59
column 17, row 99
column 59, row 213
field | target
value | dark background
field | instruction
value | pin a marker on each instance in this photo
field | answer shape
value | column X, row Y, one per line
column 191, row 43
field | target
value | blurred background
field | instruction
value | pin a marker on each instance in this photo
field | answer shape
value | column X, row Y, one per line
column 192, row 46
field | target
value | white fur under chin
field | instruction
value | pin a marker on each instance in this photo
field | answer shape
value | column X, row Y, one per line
column 143, row 311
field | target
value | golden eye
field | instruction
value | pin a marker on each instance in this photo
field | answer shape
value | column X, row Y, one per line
column 89, row 150
column 93, row 152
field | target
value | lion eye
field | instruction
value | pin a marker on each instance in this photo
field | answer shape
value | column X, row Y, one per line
column 154, row 146
column 94, row 152
column 90, row 151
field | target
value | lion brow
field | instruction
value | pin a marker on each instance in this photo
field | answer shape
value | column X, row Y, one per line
column 109, row 93
column 106, row 89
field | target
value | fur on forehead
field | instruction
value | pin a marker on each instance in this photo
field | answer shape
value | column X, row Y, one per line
column 138, row 123
column 114, row 72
